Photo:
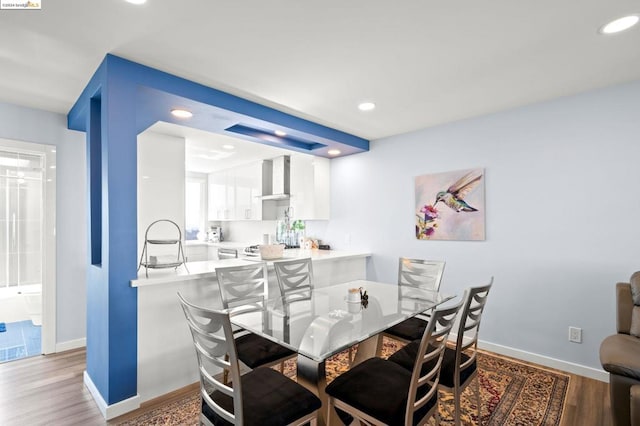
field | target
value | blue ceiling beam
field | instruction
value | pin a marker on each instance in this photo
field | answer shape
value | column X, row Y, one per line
column 159, row 92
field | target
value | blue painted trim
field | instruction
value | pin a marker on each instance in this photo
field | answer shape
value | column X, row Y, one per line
column 274, row 140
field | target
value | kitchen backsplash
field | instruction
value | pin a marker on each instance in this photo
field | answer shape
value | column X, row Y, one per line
column 252, row 231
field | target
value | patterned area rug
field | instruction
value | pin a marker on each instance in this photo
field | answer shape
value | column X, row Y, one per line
column 512, row 393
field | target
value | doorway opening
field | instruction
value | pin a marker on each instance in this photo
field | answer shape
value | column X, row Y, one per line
column 27, row 249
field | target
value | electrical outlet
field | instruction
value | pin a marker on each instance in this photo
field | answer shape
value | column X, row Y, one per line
column 575, row 334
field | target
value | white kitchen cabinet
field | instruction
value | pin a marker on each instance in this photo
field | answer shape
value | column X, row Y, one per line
column 234, row 193
column 248, row 189
column 310, row 187
column 221, row 195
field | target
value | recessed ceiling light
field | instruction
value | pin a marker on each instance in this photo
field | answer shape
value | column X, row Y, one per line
column 366, row 106
column 619, row 24
column 334, row 152
column 181, row 113
column 52, row 167
column 228, row 147
column 53, row 150
column 280, row 133
column 136, row 1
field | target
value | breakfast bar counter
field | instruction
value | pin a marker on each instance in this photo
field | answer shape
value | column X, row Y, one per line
column 203, row 269
column 166, row 358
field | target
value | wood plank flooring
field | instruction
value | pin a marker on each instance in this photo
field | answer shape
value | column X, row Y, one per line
column 48, row 390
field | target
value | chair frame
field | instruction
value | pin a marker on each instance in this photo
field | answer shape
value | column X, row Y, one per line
column 243, row 285
column 432, row 346
column 295, row 279
column 213, row 339
column 475, row 299
column 409, row 272
column 205, row 326
column 294, row 275
column 244, row 289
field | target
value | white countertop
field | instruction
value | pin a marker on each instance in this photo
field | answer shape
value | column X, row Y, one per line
column 208, row 268
column 224, row 244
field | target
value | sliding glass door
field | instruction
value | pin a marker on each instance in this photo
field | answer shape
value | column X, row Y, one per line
column 21, row 218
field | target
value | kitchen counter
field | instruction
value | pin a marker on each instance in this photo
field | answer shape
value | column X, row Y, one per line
column 203, row 269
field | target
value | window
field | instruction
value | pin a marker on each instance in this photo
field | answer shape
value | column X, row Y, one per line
column 195, row 206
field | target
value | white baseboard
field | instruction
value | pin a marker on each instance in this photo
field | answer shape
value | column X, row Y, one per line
column 114, row 410
column 71, row 344
column 546, row 361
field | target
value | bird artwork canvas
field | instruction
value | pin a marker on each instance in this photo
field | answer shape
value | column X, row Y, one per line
column 450, row 206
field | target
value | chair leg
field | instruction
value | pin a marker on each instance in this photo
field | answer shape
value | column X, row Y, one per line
column 282, row 367
column 478, row 399
column 457, row 408
column 329, row 408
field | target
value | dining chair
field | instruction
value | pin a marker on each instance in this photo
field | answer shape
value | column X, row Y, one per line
column 381, row 392
column 415, row 274
column 295, row 280
column 294, row 276
column 459, row 365
column 244, row 289
column 260, row 397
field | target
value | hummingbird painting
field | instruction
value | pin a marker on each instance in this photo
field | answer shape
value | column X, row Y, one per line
column 453, row 197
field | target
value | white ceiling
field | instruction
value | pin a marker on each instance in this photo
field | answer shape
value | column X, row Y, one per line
column 423, row 62
column 206, row 152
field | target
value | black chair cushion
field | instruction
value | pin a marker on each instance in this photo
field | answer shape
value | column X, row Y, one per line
column 379, row 388
column 255, row 351
column 406, row 357
column 409, row 329
column 269, row 399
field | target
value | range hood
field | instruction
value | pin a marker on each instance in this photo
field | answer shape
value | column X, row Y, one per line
column 276, row 175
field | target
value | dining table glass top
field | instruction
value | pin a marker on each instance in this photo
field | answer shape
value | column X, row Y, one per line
column 321, row 322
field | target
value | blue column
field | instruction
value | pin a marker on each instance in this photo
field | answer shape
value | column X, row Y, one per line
column 111, row 301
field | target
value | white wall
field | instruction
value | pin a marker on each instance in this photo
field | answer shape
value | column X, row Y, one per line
column 161, row 186
column 247, row 232
column 42, row 127
column 562, row 211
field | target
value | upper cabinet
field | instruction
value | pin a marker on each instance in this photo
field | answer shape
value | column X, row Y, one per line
column 310, row 187
column 248, row 189
column 262, row 190
column 221, row 195
column 234, row 194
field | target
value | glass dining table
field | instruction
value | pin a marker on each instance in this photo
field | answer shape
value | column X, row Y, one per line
column 321, row 322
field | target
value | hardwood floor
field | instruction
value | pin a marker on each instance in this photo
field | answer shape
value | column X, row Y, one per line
column 587, row 403
column 48, row 390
